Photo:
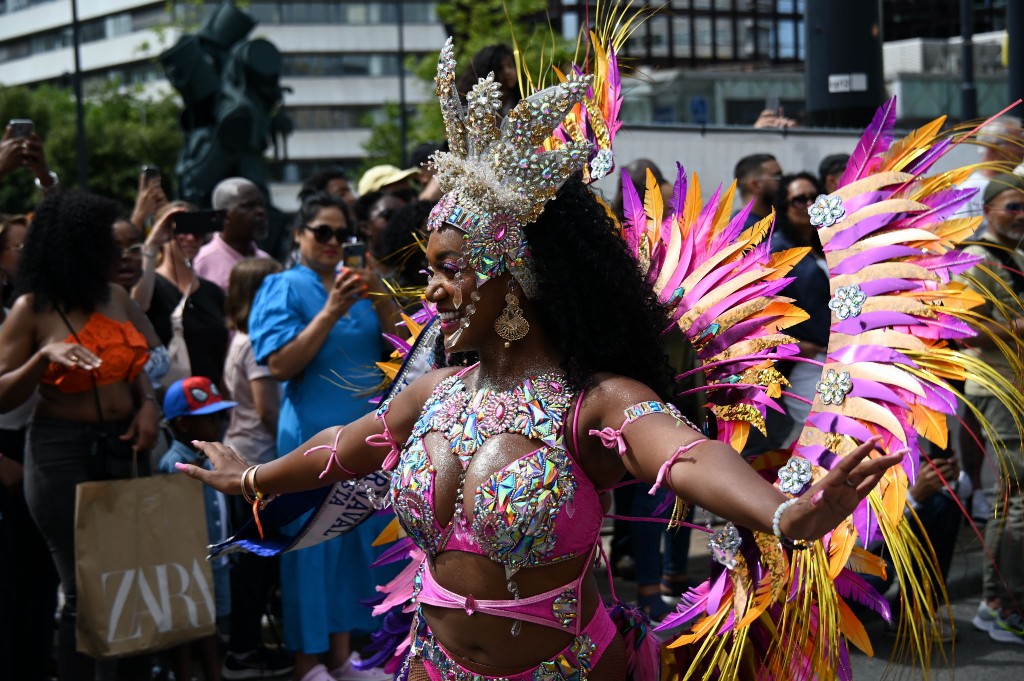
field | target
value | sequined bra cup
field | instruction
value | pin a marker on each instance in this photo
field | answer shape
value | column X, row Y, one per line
column 524, row 514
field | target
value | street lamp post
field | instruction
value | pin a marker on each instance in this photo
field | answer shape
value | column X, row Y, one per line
column 968, row 91
column 403, row 114
column 83, row 160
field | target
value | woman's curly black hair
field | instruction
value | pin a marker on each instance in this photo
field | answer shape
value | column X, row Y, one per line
column 69, row 252
column 599, row 311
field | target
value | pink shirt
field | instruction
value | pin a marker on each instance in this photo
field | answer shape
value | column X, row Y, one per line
column 215, row 260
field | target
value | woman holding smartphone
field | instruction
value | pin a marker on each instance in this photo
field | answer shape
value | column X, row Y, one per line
column 204, row 324
column 318, row 327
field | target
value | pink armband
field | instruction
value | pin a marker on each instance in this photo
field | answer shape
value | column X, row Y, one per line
column 665, row 467
column 333, row 449
column 385, row 439
column 612, row 437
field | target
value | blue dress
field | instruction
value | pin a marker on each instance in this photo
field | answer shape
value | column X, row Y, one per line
column 321, row 586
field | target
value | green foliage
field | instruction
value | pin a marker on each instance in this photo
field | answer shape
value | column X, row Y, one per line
column 123, row 131
column 384, row 144
column 473, row 24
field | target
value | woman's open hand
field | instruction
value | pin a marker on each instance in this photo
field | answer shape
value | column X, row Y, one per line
column 821, row 508
column 228, row 466
column 71, row 355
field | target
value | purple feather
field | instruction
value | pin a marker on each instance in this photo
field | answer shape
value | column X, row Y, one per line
column 855, row 263
column 635, row 221
column 853, row 588
column 867, row 321
column 851, row 235
column 870, row 353
column 692, row 606
column 875, row 140
column 399, row 344
column 925, row 161
column 942, row 205
column 880, row 287
column 678, row 191
column 828, row 422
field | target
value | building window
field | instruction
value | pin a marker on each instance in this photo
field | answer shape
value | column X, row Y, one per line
column 413, row 12
column 330, row 65
column 334, row 118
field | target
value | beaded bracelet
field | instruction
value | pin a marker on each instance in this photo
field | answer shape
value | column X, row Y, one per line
column 798, row 545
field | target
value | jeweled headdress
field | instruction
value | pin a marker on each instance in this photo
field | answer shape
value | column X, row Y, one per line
column 499, row 174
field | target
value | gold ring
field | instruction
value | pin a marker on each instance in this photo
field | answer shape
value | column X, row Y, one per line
column 74, row 358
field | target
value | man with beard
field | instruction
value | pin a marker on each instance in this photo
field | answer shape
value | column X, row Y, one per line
column 1000, row 272
column 757, row 177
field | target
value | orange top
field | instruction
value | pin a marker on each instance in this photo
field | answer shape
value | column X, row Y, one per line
column 122, row 348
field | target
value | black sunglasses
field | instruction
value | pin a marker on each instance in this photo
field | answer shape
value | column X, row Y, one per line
column 1013, row 208
column 323, row 233
column 802, row 200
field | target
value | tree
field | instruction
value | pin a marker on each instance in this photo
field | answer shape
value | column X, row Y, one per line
column 124, row 130
column 473, row 25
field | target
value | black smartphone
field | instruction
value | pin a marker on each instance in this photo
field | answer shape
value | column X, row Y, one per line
column 200, row 222
column 21, row 127
column 354, row 254
column 150, row 173
column 772, row 104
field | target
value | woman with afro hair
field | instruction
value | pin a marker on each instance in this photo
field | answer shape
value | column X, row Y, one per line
column 500, row 459
column 74, row 337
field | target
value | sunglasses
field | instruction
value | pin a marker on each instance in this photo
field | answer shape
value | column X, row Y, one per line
column 802, row 200
column 324, row 233
column 1017, row 208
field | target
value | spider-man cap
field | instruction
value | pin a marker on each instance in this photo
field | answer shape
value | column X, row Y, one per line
column 193, row 396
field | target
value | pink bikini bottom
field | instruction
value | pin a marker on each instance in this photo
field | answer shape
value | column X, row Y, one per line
column 579, row 657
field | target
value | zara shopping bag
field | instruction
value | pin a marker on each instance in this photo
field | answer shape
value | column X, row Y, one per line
column 143, row 579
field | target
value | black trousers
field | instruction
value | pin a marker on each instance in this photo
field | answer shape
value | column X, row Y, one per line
column 28, row 581
column 58, row 456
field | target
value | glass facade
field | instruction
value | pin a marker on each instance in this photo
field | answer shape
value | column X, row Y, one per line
column 691, row 33
column 904, row 19
column 267, row 13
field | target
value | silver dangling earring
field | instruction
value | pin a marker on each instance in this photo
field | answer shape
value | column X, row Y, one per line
column 511, row 324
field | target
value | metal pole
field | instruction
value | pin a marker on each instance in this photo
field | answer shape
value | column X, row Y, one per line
column 403, row 117
column 968, row 92
column 1015, row 31
column 83, row 160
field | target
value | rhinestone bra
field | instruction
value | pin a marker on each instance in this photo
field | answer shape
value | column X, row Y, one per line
column 523, row 513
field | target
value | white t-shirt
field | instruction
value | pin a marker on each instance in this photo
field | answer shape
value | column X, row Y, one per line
column 246, row 433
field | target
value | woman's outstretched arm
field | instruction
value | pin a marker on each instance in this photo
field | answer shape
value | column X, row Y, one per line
column 338, row 453
column 711, row 474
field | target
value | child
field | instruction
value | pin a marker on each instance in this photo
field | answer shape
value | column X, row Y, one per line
column 252, row 432
column 195, row 410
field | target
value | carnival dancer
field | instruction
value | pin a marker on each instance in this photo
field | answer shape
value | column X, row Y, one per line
column 554, row 391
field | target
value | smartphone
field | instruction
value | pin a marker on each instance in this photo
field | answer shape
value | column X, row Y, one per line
column 353, row 254
column 21, row 127
column 772, row 104
column 150, row 173
column 200, row 222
